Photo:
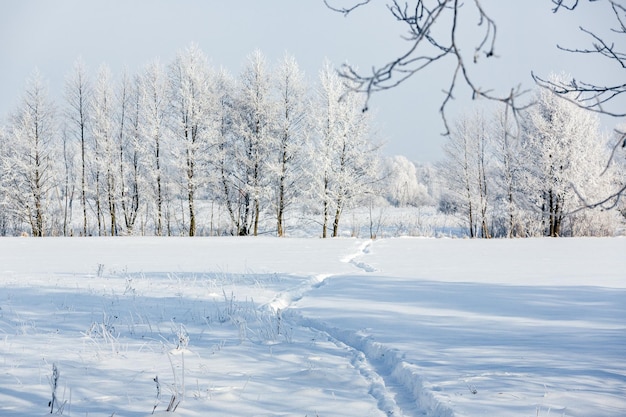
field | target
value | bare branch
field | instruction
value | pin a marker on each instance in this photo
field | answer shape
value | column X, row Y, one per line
column 561, row 3
column 428, row 44
column 585, row 95
column 612, row 200
column 600, row 48
column 346, row 10
column 593, row 96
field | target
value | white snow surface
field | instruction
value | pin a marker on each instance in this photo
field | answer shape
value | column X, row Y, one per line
column 313, row 327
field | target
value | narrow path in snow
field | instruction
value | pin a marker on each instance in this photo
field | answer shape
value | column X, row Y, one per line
column 363, row 250
column 394, row 383
column 286, row 298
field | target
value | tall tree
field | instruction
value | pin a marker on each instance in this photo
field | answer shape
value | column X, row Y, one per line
column 508, row 168
column 253, row 120
column 344, row 157
column 561, row 143
column 78, row 94
column 466, row 169
column 229, row 185
column 191, row 102
column 289, row 139
column 154, row 113
column 128, row 135
column 67, row 187
column 30, row 163
column 105, row 151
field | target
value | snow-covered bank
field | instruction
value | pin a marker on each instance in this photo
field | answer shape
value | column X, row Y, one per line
column 277, row 327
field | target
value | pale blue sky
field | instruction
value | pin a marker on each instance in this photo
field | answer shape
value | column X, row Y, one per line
column 51, row 34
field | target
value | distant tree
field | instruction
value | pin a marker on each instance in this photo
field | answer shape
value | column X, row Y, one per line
column 190, row 98
column 253, row 128
column 67, row 186
column 229, row 185
column 30, row 160
column 154, row 117
column 562, row 151
column 104, row 166
column 128, row 125
column 401, row 184
column 290, row 138
column 465, row 173
column 344, row 159
column 508, row 170
column 78, row 94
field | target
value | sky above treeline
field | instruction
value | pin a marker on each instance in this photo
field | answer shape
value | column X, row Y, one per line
column 51, row 35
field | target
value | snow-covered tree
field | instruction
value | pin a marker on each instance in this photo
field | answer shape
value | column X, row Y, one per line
column 128, row 135
column 78, row 94
column 401, row 185
column 30, row 159
column 191, row 126
column 286, row 166
column 563, row 157
column 465, row 168
column 105, row 152
column 68, row 181
column 344, row 159
column 228, row 184
column 253, row 129
column 153, row 122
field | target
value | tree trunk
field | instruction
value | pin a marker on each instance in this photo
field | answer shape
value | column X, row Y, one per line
column 336, row 220
column 326, row 210
column 83, row 181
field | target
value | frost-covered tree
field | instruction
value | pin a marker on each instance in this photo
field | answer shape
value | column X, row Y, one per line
column 68, row 181
column 465, row 168
column 401, row 185
column 550, row 142
column 191, row 126
column 228, row 184
column 289, row 139
column 507, row 175
column 564, row 155
column 344, row 159
column 105, row 152
column 5, row 218
column 253, row 129
column 78, row 96
column 30, row 159
column 154, row 117
column 128, row 135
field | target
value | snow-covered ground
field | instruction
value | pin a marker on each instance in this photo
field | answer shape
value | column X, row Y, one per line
column 311, row 327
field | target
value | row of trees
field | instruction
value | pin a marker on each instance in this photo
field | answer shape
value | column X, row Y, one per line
column 534, row 177
column 186, row 149
column 139, row 154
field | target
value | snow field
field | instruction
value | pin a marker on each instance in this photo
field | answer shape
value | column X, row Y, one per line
column 309, row 327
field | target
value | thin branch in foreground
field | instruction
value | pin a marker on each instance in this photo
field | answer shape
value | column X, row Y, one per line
column 346, row 10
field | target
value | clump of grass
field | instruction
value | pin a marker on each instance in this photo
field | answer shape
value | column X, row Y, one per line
column 54, row 384
column 174, row 400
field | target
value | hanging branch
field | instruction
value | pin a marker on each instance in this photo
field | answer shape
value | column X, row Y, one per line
column 343, row 10
column 593, row 96
column 428, row 44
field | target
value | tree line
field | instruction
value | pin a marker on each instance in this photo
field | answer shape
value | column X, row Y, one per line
column 186, row 149
column 146, row 153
